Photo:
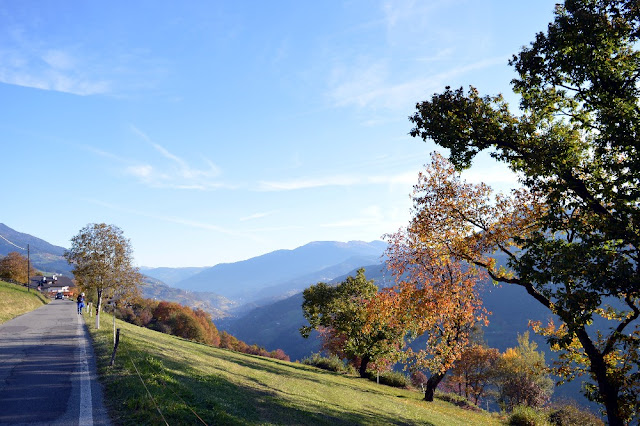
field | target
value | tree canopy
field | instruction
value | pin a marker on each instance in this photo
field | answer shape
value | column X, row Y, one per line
column 572, row 235
column 349, row 327
column 13, row 267
column 103, row 263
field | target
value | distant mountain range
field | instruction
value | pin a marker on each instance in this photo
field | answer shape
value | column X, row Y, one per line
column 277, row 324
column 229, row 288
column 283, row 271
column 218, row 306
column 171, row 276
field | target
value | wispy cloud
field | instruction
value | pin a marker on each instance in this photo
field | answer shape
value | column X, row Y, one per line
column 257, row 215
column 171, row 219
column 407, row 178
column 369, row 85
column 105, row 154
column 175, row 172
column 56, row 69
column 168, row 171
column 31, row 56
column 143, row 171
column 373, row 216
column 381, row 79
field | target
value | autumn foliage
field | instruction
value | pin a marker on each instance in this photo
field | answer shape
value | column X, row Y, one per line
column 574, row 145
column 436, row 296
column 192, row 324
column 351, row 321
column 473, row 374
column 13, row 267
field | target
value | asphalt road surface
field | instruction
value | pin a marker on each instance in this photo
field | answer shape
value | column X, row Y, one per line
column 47, row 369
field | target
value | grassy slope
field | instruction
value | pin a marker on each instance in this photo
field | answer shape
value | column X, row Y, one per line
column 225, row 387
column 16, row 300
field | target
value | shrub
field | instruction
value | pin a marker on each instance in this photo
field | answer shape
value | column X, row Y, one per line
column 571, row 415
column 162, row 328
column 211, row 335
column 523, row 415
column 144, row 317
column 390, row 378
column 418, row 379
column 188, row 323
column 332, row 363
column 186, row 326
column 522, row 377
column 279, row 354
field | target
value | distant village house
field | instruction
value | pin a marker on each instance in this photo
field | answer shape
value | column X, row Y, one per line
column 54, row 284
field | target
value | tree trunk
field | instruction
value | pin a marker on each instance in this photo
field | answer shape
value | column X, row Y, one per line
column 363, row 365
column 98, row 309
column 608, row 390
column 432, row 384
column 114, row 323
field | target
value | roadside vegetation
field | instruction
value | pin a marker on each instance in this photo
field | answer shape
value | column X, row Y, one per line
column 15, row 300
column 187, row 380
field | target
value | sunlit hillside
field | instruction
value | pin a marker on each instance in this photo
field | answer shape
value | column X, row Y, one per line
column 189, row 381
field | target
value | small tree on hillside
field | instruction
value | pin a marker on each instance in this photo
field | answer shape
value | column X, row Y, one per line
column 102, row 258
column 522, row 376
column 473, row 374
column 352, row 329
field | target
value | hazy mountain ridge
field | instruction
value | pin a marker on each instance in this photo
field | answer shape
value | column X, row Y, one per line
column 243, row 281
column 171, row 276
column 253, row 282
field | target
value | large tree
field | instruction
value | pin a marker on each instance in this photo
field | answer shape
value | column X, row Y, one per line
column 343, row 313
column 13, row 267
column 436, row 296
column 103, row 263
column 575, row 144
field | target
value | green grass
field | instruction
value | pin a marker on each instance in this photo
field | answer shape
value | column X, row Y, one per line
column 224, row 387
column 16, row 300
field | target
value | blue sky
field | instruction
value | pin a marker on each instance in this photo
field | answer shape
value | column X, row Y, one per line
column 215, row 131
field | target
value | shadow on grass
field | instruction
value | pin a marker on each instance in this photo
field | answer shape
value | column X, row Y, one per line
column 224, row 402
column 178, row 389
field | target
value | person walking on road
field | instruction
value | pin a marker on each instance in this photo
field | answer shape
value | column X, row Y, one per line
column 80, row 303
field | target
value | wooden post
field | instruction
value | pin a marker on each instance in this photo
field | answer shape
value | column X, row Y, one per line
column 115, row 348
column 114, row 323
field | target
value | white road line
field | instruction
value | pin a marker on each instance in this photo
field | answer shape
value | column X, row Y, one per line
column 86, row 407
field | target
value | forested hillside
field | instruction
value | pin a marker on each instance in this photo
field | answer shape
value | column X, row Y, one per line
column 44, row 256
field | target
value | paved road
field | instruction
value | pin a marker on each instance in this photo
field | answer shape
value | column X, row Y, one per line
column 47, row 369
